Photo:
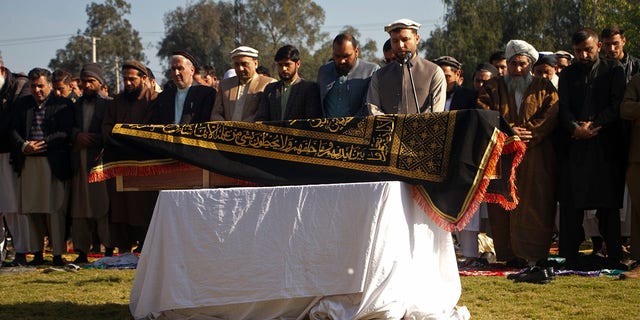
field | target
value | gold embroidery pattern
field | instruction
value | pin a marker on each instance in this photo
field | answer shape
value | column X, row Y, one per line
column 426, row 144
column 363, row 144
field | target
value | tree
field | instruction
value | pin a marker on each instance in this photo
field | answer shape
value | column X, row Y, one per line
column 475, row 28
column 207, row 30
column 472, row 31
column 118, row 40
column 276, row 23
column 368, row 48
column 623, row 13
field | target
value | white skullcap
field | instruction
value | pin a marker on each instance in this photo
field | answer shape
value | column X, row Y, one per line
column 244, row 51
column 402, row 24
column 564, row 54
column 520, row 47
column 230, row 73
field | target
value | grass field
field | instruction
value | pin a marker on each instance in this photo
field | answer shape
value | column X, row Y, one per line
column 104, row 294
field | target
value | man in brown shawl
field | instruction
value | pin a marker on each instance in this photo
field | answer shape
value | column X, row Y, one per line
column 130, row 211
column 530, row 106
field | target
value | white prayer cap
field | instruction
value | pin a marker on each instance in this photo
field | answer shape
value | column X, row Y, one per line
column 520, row 47
column 564, row 54
column 402, row 24
column 229, row 73
column 244, row 51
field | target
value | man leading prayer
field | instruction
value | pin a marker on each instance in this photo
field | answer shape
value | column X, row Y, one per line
column 392, row 88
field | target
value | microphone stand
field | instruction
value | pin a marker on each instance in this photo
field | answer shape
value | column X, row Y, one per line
column 413, row 86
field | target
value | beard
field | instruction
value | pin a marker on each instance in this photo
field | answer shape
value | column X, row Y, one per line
column 133, row 94
column 90, row 94
column 287, row 77
column 518, row 84
column 2, row 80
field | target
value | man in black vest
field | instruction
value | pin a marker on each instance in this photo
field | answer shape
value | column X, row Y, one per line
column 292, row 97
column 392, row 88
column 187, row 102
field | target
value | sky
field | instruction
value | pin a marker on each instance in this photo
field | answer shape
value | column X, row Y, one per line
column 32, row 30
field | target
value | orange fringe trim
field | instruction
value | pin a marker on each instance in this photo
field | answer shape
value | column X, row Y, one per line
column 480, row 195
column 519, row 147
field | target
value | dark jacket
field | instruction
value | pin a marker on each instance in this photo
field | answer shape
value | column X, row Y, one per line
column 15, row 86
column 303, row 102
column 58, row 122
column 631, row 66
column 95, row 128
column 463, row 98
column 591, row 170
column 197, row 105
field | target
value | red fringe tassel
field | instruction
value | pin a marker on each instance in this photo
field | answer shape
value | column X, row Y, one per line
column 480, row 195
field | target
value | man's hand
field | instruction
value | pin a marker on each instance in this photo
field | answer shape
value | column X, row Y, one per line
column 585, row 130
column 523, row 134
column 84, row 140
column 33, row 147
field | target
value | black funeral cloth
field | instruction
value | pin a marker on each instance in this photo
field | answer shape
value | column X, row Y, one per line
column 452, row 158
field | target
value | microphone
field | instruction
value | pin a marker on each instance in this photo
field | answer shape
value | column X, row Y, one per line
column 407, row 57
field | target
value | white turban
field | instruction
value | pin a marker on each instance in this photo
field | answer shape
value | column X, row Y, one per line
column 520, row 47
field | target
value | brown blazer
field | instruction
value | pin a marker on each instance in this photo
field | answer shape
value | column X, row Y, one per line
column 226, row 98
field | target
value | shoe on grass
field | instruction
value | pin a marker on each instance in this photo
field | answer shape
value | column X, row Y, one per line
column 38, row 260
column 82, row 258
column 19, row 260
column 536, row 275
column 58, row 261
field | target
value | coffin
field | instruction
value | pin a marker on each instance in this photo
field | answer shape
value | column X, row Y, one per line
column 190, row 178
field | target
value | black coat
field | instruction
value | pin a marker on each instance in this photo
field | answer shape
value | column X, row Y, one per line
column 591, row 170
column 303, row 102
column 463, row 98
column 197, row 105
column 57, row 126
column 15, row 86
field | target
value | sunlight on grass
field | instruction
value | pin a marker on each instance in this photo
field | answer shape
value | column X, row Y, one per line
column 104, row 295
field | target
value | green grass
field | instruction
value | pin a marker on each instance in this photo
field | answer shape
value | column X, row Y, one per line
column 104, row 294
column 86, row 294
column 568, row 297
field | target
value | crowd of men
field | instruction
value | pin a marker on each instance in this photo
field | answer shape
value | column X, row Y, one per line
column 581, row 128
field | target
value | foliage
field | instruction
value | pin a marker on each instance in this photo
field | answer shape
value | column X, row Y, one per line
column 368, row 48
column 473, row 29
column 471, row 33
column 623, row 13
column 118, row 40
column 275, row 23
column 207, row 29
